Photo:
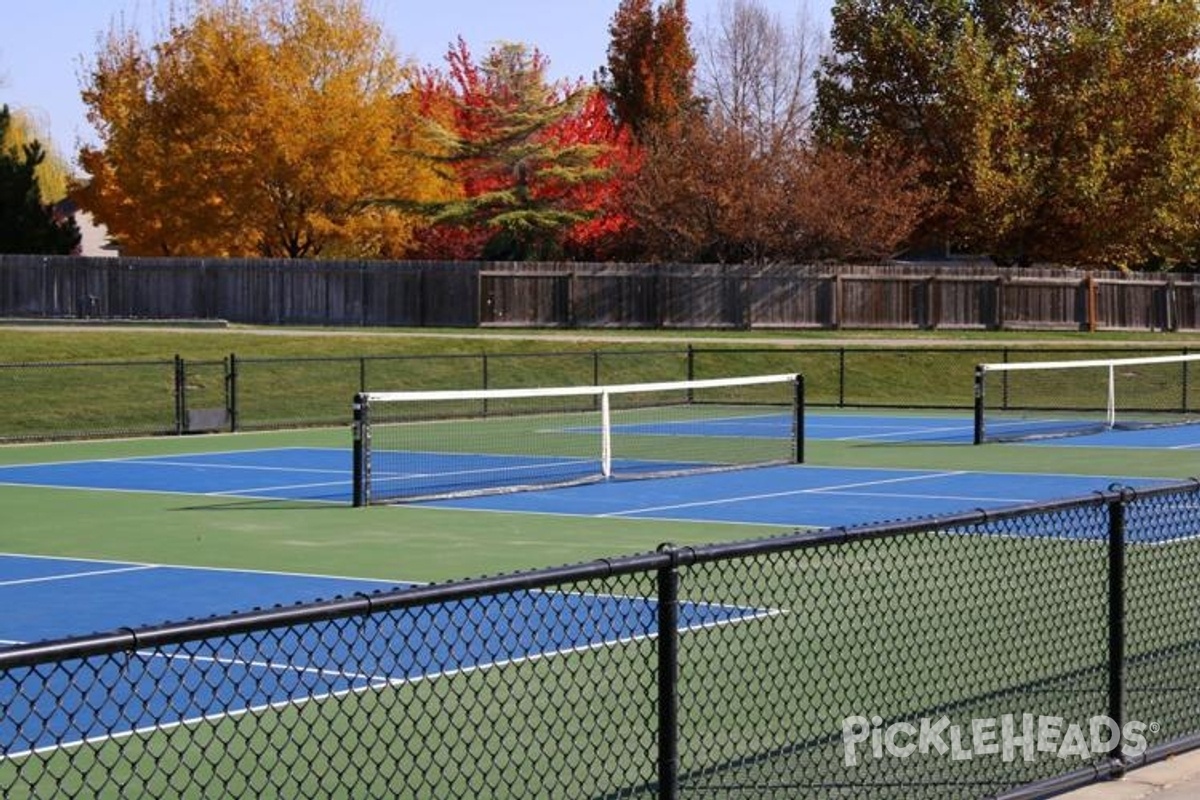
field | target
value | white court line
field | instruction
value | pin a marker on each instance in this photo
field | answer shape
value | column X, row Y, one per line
column 287, row 487
column 963, row 498
column 789, row 493
column 249, row 467
column 170, row 492
column 239, row 571
column 143, row 458
column 959, row 428
column 73, row 575
column 269, row 666
column 383, row 682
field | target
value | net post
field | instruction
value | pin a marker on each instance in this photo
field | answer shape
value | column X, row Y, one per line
column 1110, row 414
column 362, row 451
column 231, row 392
column 691, row 371
column 979, row 429
column 1004, row 383
column 1183, row 409
column 180, row 379
column 486, row 380
column 841, row 377
column 605, row 435
column 798, row 420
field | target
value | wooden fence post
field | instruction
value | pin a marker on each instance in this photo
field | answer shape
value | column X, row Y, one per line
column 1089, row 285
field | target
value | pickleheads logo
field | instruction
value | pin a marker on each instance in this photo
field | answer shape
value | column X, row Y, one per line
column 1028, row 737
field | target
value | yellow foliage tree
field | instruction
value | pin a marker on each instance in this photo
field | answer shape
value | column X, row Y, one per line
column 54, row 173
column 256, row 129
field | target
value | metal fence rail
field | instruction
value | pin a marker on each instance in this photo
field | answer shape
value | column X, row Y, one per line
column 799, row 666
column 179, row 396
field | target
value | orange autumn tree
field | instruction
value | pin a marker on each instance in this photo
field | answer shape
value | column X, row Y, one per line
column 536, row 162
column 649, row 78
column 255, row 129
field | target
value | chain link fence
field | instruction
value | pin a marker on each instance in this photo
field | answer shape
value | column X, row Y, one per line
column 975, row 655
column 174, row 396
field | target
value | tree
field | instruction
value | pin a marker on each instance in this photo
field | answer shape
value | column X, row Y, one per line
column 1108, row 141
column 757, row 74
column 529, row 157
column 889, row 83
column 254, row 128
column 707, row 193
column 27, row 224
column 855, row 206
column 54, row 173
column 650, row 76
column 1059, row 130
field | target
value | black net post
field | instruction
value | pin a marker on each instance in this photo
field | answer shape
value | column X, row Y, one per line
column 1184, row 407
column 486, row 384
column 231, row 392
column 841, row 377
column 1004, row 382
column 180, row 395
column 668, row 678
column 798, row 420
column 1116, row 618
column 362, row 451
column 979, row 404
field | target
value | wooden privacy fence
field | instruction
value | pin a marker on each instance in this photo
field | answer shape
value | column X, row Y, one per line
column 471, row 294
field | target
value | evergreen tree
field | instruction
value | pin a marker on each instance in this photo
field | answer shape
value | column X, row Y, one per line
column 27, row 225
column 526, row 175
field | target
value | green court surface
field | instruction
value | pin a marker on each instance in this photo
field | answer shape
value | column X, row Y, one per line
column 427, row 544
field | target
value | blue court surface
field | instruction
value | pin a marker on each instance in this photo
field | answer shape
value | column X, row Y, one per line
column 881, row 428
column 900, row 429
column 156, row 689
column 794, row 496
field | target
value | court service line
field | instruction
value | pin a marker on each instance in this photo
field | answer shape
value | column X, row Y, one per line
column 152, row 456
column 256, row 492
column 385, row 582
column 73, row 575
column 153, row 462
column 907, row 432
column 269, row 666
column 955, row 497
column 380, row 683
column 789, row 493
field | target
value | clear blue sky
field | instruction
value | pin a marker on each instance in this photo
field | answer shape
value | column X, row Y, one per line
column 42, row 55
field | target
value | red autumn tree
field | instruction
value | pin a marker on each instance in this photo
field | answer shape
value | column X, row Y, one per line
column 535, row 161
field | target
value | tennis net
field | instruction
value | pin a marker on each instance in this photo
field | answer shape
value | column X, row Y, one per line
column 439, row 444
column 1045, row 399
